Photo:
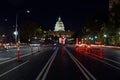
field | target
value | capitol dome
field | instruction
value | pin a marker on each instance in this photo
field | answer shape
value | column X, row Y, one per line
column 59, row 26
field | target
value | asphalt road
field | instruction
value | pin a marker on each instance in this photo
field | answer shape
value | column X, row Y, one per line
column 61, row 63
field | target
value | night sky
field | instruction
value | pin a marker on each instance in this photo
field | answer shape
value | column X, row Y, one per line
column 46, row 12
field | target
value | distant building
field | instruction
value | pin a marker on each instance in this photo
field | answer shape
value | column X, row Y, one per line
column 59, row 30
column 59, row 26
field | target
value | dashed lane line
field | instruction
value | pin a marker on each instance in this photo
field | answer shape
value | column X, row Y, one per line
column 3, row 74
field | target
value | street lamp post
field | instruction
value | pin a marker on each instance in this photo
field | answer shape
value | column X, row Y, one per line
column 105, row 36
column 16, row 33
column 17, row 37
column 16, row 30
column 95, row 39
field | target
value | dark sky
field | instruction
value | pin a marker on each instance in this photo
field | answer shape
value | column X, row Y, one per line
column 74, row 13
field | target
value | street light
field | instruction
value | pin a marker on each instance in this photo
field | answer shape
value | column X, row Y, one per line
column 28, row 11
column 16, row 33
column 96, row 37
column 105, row 36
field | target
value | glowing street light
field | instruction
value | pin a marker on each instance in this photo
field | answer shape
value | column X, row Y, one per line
column 28, row 11
column 104, row 35
column 96, row 37
column 15, row 33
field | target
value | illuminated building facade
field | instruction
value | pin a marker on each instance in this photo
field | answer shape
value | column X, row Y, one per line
column 59, row 26
column 59, row 30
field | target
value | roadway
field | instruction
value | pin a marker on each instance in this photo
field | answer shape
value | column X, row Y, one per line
column 60, row 63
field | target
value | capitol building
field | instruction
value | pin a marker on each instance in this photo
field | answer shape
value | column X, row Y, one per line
column 59, row 26
column 59, row 30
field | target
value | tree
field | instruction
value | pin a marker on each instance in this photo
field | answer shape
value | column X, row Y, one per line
column 96, row 25
column 114, row 20
column 27, row 30
column 39, row 33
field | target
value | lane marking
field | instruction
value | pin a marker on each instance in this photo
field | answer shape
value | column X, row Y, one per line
column 105, row 62
column 107, row 59
column 2, row 59
column 47, row 70
column 14, row 59
column 1, row 75
column 47, row 65
column 81, row 67
column 86, row 76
